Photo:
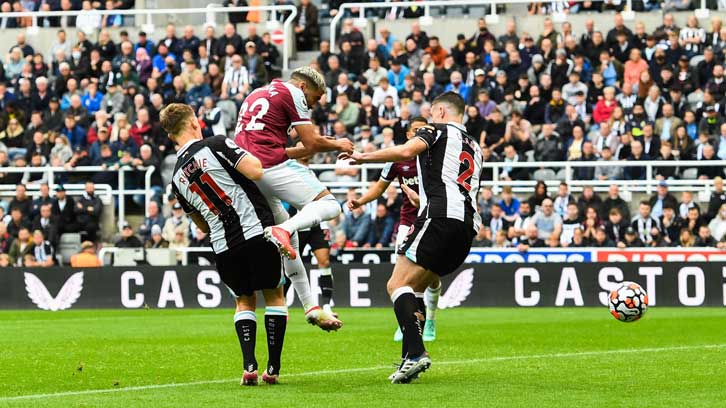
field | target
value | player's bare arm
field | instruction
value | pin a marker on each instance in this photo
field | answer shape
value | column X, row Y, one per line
column 374, row 192
column 314, row 143
column 407, row 151
column 412, row 195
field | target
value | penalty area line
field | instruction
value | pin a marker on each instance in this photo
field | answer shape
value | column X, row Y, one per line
column 367, row 369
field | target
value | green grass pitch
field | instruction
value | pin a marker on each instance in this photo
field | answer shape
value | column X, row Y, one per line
column 572, row 357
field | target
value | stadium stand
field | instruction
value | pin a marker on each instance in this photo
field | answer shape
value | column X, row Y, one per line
column 594, row 123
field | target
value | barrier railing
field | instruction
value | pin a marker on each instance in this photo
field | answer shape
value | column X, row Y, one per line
column 149, row 25
column 120, row 192
column 638, row 186
column 492, row 17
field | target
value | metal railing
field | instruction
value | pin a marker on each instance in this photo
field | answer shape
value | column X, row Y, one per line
column 492, row 17
column 121, row 192
column 637, row 186
column 149, row 26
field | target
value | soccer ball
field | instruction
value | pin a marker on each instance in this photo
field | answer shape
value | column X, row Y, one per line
column 628, row 302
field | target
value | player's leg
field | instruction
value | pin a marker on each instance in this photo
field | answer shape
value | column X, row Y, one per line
column 234, row 272
column 401, row 235
column 284, row 182
column 431, row 300
column 320, row 244
column 275, row 325
column 297, row 185
column 245, row 323
column 326, row 276
column 401, row 287
column 294, row 268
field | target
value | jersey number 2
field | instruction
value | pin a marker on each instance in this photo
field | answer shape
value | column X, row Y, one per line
column 464, row 178
column 263, row 105
column 207, row 181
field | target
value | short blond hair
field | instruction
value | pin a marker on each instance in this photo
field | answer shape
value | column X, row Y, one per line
column 175, row 117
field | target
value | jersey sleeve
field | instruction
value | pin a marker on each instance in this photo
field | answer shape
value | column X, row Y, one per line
column 297, row 107
column 227, row 149
column 429, row 135
column 388, row 174
column 188, row 208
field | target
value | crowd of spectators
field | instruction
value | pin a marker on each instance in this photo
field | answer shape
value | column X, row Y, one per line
column 601, row 94
column 558, row 95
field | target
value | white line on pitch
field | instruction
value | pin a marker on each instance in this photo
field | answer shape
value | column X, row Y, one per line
column 366, row 369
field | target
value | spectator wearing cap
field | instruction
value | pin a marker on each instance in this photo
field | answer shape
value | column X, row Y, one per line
column 255, row 65
column 87, row 258
column 661, row 199
column 630, row 240
column 63, row 208
column 177, row 220
column 155, row 239
column 710, row 124
column 128, row 239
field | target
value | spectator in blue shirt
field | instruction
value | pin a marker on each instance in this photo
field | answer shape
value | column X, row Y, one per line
column 92, row 98
column 397, row 74
column 159, row 60
column 76, row 135
column 509, row 204
column 144, row 43
column 457, row 85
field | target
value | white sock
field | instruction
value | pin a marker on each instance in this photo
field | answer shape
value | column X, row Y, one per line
column 313, row 214
column 295, row 271
column 431, row 299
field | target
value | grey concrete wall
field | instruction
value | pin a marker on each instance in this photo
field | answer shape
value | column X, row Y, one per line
column 447, row 28
column 43, row 40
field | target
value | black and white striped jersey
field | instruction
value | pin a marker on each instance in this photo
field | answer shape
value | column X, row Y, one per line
column 449, row 174
column 206, row 181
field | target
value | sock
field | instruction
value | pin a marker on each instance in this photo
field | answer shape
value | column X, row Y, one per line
column 245, row 323
column 326, row 284
column 431, row 298
column 275, row 324
column 295, row 271
column 420, row 306
column 405, row 306
column 313, row 214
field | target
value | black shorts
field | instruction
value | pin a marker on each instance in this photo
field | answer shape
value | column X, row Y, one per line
column 438, row 244
column 317, row 238
column 251, row 266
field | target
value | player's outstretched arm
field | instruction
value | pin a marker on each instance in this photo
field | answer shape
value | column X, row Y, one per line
column 374, row 192
column 314, row 143
column 407, row 151
column 200, row 222
column 250, row 167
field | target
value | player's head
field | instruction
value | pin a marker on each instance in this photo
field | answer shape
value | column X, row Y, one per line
column 416, row 123
column 448, row 107
column 180, row 122
column 311, row 83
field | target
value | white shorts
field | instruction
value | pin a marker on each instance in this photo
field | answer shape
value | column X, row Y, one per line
column 290, row 182
column 401, row 235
